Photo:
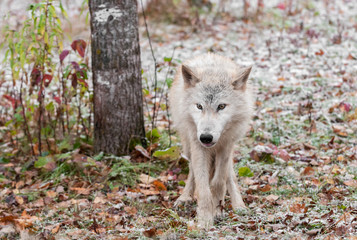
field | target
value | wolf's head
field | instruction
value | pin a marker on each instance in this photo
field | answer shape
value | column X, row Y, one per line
column 217, row 99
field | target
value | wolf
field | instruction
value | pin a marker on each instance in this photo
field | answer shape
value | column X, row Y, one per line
column 211, row 103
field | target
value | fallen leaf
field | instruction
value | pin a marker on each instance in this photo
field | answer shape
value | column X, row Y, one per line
column 19, row 200
column 146, row 179
column 308, row 171
column 319, row 53
column 83, row 191
column 150, row 233
column 266, row 188
column 272, row 198
column 55, row 229
column 159, row 185
column 149, row 192
column 130, row 210
column 51, row 194
column 99, row 200
column 351, row 183
column 298, row 208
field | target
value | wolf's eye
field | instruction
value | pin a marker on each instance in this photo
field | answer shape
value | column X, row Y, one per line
column 221, row 106
column 199, row 106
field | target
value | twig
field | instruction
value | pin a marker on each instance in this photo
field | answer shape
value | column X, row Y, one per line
column 41, row 95
column 153, row 57
column 26, row 127
column 165, row 83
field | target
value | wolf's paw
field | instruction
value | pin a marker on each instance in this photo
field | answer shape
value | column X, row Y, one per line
column 205, row 223
column 183, row 199
column 239, row 205
column 219, row 212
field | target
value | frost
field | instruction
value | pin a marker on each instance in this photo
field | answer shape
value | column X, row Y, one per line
column 102, row 81
column 103, row 14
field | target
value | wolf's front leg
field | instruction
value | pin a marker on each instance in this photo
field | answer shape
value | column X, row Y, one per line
column 219, row 180
column 233, row 189
column 188, row 191
column 201, row 161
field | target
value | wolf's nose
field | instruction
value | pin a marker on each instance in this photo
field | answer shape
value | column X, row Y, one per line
column 206, row 138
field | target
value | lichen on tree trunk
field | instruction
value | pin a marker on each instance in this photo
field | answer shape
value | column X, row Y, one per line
column 118, row 106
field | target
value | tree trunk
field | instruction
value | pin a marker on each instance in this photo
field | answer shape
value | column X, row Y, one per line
column 118, row 105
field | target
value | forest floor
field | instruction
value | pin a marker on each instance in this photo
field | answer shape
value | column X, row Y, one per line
column 297, row 164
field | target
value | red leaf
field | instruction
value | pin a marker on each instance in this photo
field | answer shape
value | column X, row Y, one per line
column 319, row 53
column 76, row 66
column 281, row 6
column 57, row 99
column 74, row 80
column 312, row 33
column 36, row 76
column 47, row 78
column 83, row 82
column 11, row 99
column 63, row 55
column 345, row 107
column 79, row 46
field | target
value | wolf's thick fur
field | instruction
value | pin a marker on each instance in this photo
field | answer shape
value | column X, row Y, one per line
column 211, row 105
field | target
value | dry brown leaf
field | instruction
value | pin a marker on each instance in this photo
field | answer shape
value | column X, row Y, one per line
column 281, row 79
column 298, row 208
column 51, row 194
column 150, row 233
column 142, row 151
column 340, row 130
column 319, row 53
column 315, row 182
column 130, row 210
column 20, row 184
column 99, row 200
column 39, row 203
column 55, row 229
column 146, row 179
column 159, row 185
column 266, row 188
column 351, row 183
column 149, row 192
column 336, row 170
column 19, row 200
column 308, row 171
column 83, row 191
column 272, row 198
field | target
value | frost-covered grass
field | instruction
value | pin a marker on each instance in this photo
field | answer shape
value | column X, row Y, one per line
column 305, row 186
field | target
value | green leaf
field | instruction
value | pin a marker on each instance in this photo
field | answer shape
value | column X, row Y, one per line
column 182, row 183
column 171, row 153
column 50, row 107
column 166, row 59
column 4, row 160
column 42, row 161
column 169, row 82
column 63, row 156
column 245, row 172
column 99, row 156
column 153, row 135
column 18, row 117
column 146, row 92
column 64, row 145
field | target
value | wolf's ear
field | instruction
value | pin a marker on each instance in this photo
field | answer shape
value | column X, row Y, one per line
column 241, row 79
column 188, row 76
